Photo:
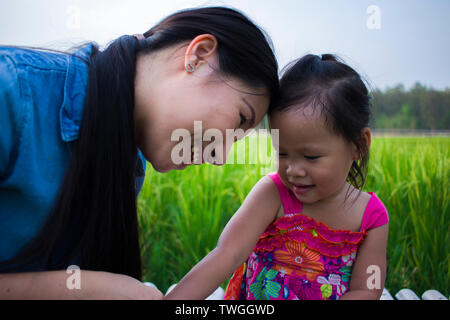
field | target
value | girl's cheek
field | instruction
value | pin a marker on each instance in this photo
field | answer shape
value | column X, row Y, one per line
column 280, row 165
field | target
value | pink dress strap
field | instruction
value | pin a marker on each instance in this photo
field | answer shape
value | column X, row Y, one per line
column 290, row 203
column 375, row 214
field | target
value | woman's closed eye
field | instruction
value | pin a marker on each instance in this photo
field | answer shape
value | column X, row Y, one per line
column 311, row 157
column 243, row 120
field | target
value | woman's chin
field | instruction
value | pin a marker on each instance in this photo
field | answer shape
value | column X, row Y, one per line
column 180, row 166
column 169, row 167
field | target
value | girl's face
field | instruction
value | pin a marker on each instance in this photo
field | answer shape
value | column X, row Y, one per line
column 313, row 162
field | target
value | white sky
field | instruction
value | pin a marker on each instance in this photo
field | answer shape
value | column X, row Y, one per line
column 410, row 45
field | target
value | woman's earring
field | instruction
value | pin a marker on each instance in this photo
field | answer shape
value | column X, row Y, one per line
column 189, row 67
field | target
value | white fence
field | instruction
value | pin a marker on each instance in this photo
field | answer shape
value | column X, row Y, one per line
column 408, row 132
column 403, row 294
column 408, row 294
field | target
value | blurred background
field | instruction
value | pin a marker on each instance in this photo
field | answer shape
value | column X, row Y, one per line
column 400, row 47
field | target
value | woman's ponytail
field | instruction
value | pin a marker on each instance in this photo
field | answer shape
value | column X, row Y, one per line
column 104, row 162
column 94, row 222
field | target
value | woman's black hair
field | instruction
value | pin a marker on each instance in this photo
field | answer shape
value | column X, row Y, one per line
column 96, row 205
column 338, row 91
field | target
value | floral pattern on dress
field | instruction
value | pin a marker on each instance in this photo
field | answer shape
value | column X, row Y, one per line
column 283, row 266
column 264, row 287
column 305, row 261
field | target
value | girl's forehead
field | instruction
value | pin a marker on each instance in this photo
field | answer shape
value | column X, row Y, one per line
column 298, row 119
column 305, row 129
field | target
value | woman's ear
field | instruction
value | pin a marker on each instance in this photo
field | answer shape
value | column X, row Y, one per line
column 201, row 49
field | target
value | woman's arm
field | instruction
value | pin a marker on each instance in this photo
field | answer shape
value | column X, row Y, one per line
column 369, row 270
column 94, row 285
column 235, row 243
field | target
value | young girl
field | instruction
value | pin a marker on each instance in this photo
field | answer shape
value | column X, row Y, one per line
column 306, row 231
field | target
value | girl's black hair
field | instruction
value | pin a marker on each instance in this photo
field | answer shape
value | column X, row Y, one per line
column 338, row 91
column 94, row 219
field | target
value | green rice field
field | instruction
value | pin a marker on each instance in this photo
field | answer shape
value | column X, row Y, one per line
column 182, row 213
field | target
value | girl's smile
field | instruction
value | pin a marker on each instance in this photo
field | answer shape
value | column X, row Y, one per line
column 313, row 161
column 302, row 189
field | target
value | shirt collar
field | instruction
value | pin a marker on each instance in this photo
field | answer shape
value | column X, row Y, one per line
column 75, row 88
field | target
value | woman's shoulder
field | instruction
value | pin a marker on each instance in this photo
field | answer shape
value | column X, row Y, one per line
column 26, row 75
column 25, row 58
column 32, row 57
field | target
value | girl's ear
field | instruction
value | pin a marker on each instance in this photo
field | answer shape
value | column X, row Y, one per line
column 366, row 140
column 367, row 134
column 355, row 153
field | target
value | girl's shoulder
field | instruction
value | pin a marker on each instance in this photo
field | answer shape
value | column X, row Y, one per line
column 289, row 204
column 375, row 213
column 268, row 187
column 266, row 190
column 365, row 211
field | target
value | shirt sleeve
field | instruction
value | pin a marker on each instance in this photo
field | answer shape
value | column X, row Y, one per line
column 376, row 214
column 11, row 115
column 140, row 172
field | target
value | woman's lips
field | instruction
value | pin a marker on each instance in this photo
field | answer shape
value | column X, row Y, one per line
column 302, row 189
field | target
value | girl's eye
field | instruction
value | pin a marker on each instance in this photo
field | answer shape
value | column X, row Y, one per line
column 312, row 157
column 243, row 119
column 281, row 154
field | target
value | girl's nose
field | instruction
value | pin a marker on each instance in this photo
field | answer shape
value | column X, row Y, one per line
column 296, row 170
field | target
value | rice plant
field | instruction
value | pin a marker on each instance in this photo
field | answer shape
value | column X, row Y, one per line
column 182, row 213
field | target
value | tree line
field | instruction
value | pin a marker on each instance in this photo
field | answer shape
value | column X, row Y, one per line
column 417, row 108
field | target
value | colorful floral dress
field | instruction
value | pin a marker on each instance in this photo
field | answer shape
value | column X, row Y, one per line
column 298, row 257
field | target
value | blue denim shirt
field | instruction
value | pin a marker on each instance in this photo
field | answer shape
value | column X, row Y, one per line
column 41, row 106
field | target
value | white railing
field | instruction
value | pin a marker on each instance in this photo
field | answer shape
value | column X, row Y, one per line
column 408, row 294
column 409, row 132
column 403, row 294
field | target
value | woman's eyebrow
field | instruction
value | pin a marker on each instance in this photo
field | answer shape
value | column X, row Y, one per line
column 252, row 110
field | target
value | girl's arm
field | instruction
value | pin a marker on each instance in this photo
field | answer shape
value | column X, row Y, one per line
column 369, row 270
column 235, row 243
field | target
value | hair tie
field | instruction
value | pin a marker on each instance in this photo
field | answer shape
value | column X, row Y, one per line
column 139, row 36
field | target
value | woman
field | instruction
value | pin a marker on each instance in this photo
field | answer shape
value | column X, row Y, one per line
column 76, row 129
